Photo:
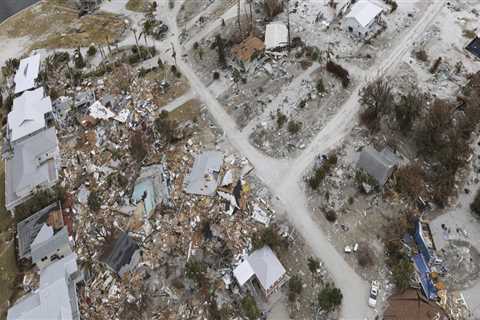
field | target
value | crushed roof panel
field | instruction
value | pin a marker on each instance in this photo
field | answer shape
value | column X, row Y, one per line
column 120, row 253
column 47, row 248
column 474, row 47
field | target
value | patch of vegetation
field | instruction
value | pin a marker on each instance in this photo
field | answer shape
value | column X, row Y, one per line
column 321, row 172
column 94, row 201
column 281, row 119
column 313, row 264
column 136, row 5
column 475, row 205
column 331, row 216
column 320, row 86
column 268, row 237
column 410, row 181
column 377, row 98
column 195, row 270
column 362, row 177
column 273, row 7
column 421, row 55
column 294, row 127
column 340, row 72
column 138, row 148
column 393, row 5
column 92, row 50
column 329, row 298
column 8, row 274
column 407, row 111
column 402, row 272
column 38, row 201
column 295, row 287
column 250, row 308
column 364, row 256
column 470, row 34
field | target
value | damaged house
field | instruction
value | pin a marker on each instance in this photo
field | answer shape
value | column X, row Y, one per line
column 29, row 228
column 379, row 165
column 363, row 18
column 204, row 176
column 264, row 266
column 121, row 255
column 27, row 74
column 32, row 165
column 151, row 188
column 56, row 297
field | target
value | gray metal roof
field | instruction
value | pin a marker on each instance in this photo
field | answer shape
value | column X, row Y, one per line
column 56, row 297
column 264, row 264
column 27, row 73
column 120, row 253
column 203, row 178
column 50, row 245
column 28, row 229
column 35, row 163
column 379, row 165
column 28, row 114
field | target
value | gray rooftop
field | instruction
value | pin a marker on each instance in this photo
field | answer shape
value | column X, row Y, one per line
column 203, row 178
column 34, row 163
column 28, row 229
column 379, row 165
column 47, row 246
column 56, row 297
column 120, row 253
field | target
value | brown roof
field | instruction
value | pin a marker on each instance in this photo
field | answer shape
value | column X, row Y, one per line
column 248, row 47
column 412, row 305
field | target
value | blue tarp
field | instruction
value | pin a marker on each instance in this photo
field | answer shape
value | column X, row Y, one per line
column 424, row 273
column 420, row 241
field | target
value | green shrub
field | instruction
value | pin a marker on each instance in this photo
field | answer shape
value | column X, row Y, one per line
column 295, row 287
column 250, row 309
column 330, row 298
column 92, row 50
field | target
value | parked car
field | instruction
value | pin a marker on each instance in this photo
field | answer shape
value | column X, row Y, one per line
column 372, row 298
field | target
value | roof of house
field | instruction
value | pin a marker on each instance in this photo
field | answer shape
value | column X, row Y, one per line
column 55, row 298
column 203, row 178
column 364, row 12
column 27, row 73
column 262, row 263
column 379, row 165
column 411, row 305
column 34, row 163
column 120, row 252
column 276, row 36
column 49, row 244
column 28, row 229
column 28, row 114
column 474, row 47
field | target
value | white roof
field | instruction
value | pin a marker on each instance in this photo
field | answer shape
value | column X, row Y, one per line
column 56, row 297
column 243, row 272
column 203, row 177
column 262, row 263
column 45, row 233
column 34, row 164
column 27, row 73
column 364, row 12
column 276, row 35
column 28, row 114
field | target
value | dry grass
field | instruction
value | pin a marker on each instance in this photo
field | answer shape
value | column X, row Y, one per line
column 137, row 5
column 189, row 111
column 68, row 31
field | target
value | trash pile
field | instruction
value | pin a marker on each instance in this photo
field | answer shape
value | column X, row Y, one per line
column 174, row 202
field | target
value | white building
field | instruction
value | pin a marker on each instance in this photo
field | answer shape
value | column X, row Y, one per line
column 264, row 266
column 362, row 18
column 27, row 74
column 29, row 115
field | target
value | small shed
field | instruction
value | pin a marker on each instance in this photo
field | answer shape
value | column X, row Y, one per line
column 361, row 19
column 264, row 265
column 379, row 165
